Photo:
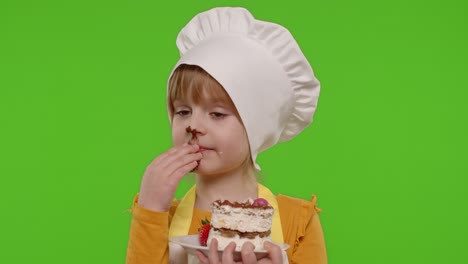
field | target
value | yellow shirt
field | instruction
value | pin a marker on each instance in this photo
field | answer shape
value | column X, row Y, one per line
column 149, row 231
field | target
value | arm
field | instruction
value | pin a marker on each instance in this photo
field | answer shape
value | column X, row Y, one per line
column 148, row 242
column 311, row 247
column 149, row 231
column 302, row 230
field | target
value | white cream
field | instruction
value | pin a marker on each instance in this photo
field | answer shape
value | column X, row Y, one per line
column 242, row 219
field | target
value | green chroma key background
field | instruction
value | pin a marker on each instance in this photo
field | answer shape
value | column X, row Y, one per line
column 82, row 103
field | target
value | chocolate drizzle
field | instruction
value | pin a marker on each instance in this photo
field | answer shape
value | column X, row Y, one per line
column 250, row 235
column 241, row 205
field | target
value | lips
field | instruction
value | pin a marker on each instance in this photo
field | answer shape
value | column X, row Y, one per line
column 201, row 149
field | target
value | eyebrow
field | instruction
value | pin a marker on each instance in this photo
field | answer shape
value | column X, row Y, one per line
column 178, row 101
column 215, row 102
column 210, row 101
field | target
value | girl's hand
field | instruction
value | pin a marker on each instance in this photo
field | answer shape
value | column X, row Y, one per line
column 275, row 255
column 164, row 173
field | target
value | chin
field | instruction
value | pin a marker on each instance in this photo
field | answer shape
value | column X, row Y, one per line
column 205, row 171
column 202, row 172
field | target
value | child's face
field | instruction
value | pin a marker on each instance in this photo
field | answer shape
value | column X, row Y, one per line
column 216, row 129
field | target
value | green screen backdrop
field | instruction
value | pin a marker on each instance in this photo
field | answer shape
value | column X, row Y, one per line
column 82, row 103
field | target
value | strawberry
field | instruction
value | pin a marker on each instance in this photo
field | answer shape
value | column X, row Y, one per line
column 260, row 202
column 203, row 232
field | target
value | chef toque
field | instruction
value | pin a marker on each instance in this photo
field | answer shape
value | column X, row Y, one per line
column 260, row 66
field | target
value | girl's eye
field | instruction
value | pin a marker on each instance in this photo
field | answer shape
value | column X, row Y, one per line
column 217, row 115
column 183, row 112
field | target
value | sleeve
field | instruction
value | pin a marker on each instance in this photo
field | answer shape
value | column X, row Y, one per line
column 310, row 243
column 149, row 236
column 302, row 231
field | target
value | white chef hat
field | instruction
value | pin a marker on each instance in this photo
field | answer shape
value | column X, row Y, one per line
column 260, row 66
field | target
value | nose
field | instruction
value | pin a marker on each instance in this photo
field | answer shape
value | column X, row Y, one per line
column 195, row 126
column 191, row 130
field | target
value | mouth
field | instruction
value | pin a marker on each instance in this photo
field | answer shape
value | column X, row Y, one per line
column 202, row 149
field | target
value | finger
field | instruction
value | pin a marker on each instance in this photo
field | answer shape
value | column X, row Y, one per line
column 213, row 256
column 186, row 159
column 174, row 149
column 176, row 153
column 201, row 257
column 177, row 175
column 274, row 252
column 172, row 176
column 180, row 157
column 247, row 253
column 168, row 166
column 228, row 254
column 166, row 154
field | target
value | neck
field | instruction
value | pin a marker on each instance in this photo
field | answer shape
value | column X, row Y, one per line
column 233, row 187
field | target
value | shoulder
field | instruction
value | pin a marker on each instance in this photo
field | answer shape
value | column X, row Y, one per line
column 299, row 217
column 302, row 229
column 299, row 207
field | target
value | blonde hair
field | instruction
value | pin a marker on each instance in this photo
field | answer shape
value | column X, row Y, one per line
column 193, row 82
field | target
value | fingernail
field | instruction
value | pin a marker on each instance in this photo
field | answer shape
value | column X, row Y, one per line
column 247, row 246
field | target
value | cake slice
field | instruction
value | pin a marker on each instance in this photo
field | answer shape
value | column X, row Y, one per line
column 249, row 221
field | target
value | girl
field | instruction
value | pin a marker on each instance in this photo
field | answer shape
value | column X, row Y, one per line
column 241, row 86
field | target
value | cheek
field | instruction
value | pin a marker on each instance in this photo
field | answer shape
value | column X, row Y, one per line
column 244, row 147
column 178, row 135
column 237, row 142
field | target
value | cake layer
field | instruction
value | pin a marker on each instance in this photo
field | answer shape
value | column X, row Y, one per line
column 223, row 242
column 232, row 233
column 242, row 217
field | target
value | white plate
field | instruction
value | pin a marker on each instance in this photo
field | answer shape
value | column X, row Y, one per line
column 191, row 245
